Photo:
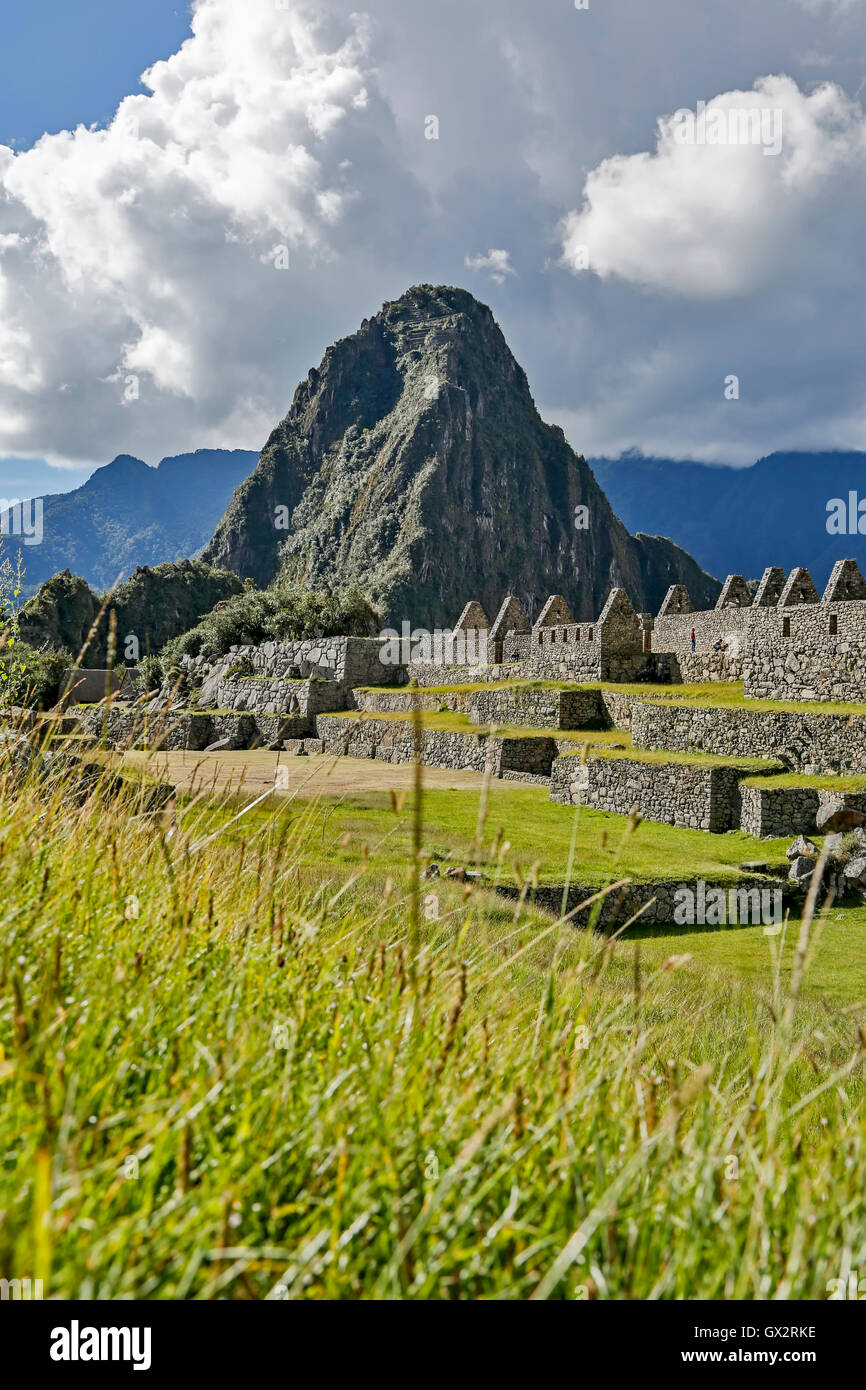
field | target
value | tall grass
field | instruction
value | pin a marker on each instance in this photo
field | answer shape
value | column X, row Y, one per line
column 221, row 1076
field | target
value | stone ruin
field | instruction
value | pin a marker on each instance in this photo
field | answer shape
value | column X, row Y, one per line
column 786, row 641
column 782, row 638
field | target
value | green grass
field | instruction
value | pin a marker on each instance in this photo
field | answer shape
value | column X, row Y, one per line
column 854, row 782
column 709, row 695
column 232, row 1060
column 661, row 756
column 540, row 835
column 837, row 975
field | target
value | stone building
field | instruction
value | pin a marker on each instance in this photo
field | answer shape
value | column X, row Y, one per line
column 784, row 641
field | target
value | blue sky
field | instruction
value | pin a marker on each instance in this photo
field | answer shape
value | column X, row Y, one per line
column 89, row 56
column 167, row 277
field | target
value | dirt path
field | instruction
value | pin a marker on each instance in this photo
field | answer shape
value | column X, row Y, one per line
column 316, row 776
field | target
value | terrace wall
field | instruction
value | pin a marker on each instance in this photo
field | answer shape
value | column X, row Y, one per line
column 697, row 798
column 393, row 740
column 753, row 900
column 770, row 812
column 802, row 740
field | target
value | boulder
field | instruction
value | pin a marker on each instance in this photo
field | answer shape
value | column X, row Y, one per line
column 835, row 815
column 801, row 846
column 17, row 748
column 855, row 870
column 801, row 869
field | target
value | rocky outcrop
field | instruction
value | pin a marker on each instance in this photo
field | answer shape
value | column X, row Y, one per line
column 414, row 462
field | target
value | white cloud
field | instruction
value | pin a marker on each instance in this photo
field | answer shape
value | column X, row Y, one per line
column 496, row 262
column 151, row 248
column 147, row 247
column 712, row 220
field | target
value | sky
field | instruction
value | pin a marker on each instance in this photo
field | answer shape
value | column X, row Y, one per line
column 195, row 203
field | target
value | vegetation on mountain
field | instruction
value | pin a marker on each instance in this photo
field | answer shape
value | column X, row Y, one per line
column 285, row 612
column 414, row 463
column 152, row 606
column 128, row 514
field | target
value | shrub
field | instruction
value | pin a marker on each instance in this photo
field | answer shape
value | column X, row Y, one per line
column 33, row 678
column 284, row 613
column 154, row 605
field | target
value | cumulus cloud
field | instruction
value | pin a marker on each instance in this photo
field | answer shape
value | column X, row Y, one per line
column 729, row 200
column 168, row 246
column 165, row 281
column 496, row 263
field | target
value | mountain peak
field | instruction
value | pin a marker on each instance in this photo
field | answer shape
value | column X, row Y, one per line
column 413, row 462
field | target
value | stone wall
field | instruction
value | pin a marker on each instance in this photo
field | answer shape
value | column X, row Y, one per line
column 540, row 709
column 429, row 673
column 694, row 797
column 794, row 670
column 275, row 695
column 392, row 740
column 126, row 726
column 806, row 741
column 777, row 811
column 402, row 701
column 656, row 901
column 347, row 661
column 792, row 650
column 694, row 668
column 730, row 625
column 770, row 812
column 617, row 705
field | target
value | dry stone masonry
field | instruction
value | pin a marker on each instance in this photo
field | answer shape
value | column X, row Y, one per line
column 781, row 638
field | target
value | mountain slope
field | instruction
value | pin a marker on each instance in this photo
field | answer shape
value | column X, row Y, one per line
column 414, row 462
column 128, row 514
column 739, row 520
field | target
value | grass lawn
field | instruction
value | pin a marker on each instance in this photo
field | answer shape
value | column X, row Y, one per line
column 837, row 973
column 712, row 695
column 242, row 1058
column 537, row 832
column 528, row 836
column 855, row 782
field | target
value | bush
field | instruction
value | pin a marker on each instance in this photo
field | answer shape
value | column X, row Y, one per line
column 33, row 678
column 284, row 613
column 154, row 605
column 152, row 674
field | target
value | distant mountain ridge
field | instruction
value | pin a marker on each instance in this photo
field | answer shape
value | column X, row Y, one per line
column 739, row 520
column 414, row 463
column 128, row 514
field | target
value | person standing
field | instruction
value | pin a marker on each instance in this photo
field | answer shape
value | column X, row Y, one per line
column 693, row 639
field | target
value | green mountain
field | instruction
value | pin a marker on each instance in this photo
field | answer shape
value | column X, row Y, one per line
column 788, row 509
column 414, row 463
column 128, row 514
column 152, row 606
